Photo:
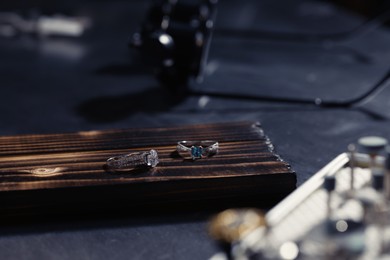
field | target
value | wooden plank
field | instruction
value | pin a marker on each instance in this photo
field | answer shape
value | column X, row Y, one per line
column 41, row 172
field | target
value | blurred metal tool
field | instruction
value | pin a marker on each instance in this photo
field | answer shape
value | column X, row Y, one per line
column 324, row 218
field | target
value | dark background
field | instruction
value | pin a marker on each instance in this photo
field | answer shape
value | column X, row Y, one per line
column 51, row 85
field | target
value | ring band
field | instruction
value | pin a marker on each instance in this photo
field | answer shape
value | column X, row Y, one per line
column 197, row 149
column 132, row 160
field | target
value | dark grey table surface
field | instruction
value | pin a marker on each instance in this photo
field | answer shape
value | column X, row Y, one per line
column 94, row 82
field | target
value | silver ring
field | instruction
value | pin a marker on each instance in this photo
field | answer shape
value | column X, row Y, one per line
column 132, row 160
column 197, row 149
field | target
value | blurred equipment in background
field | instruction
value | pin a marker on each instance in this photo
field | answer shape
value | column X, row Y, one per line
column 175, row 39
column 342, row 212
column 13, row 24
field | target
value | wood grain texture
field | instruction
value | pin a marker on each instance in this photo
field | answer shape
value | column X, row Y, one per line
column 66, row 171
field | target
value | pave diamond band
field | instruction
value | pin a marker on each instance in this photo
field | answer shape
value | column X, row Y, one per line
column 197, row 149
column 132, row 160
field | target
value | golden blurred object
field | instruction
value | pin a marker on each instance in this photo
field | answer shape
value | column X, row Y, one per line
column 233, row 224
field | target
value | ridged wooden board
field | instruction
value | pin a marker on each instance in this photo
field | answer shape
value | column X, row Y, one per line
column 65, row 172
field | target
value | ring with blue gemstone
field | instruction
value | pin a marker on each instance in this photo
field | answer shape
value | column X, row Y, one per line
column 197, row 149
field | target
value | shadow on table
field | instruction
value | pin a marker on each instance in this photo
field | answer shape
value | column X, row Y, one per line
column 114, row 108
column 185, row 212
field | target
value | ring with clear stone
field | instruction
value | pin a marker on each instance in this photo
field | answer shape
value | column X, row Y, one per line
column 197, row 149
column 133, row 160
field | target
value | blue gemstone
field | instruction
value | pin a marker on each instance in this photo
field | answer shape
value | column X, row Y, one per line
column 196, row 152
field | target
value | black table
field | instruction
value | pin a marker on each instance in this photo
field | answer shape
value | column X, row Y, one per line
column 94, row 82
